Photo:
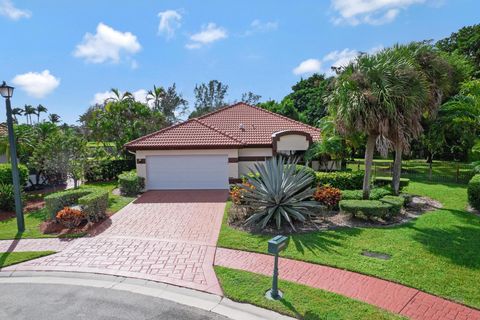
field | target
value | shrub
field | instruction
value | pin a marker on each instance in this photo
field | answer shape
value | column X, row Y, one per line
column 375, row 194
column 6, row 174
column 473, row 192
column 386, row 181
column 341, row 179
column 396, row 203
column 107, row 169
column 237, row 193
column 70, row 217
column 366, row 209
column 130, row 184
column 7, row 197
column 94, row 202
column 279, row 194
column 328, row 196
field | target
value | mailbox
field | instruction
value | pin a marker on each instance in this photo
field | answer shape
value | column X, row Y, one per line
column 277, row 244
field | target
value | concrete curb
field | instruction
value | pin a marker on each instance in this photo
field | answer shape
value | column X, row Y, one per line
column 202, row 300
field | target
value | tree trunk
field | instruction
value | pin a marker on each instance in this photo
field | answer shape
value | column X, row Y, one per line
column 397, row 169
column 368, row 165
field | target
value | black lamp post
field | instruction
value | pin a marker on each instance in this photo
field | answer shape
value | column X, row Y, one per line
column 7, row 92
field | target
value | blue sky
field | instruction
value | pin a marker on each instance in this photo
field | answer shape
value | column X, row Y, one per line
column 66, row 54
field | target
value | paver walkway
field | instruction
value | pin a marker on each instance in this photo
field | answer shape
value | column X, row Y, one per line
column 396, row 298
column 167, row 236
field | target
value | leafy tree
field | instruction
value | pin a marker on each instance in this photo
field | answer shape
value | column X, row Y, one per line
column 285, row 108
column 251, row 98
column 16, row 112
column 466, row 42
column 156, row 95
column 39, row 110
column 119, row 96
column 209, row 97
column 171, row 104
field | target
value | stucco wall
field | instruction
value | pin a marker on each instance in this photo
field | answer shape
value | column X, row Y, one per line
column 231, row 153
column 255, row 152
column 292, row 142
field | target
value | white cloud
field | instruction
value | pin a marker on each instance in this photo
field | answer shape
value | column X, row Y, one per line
column 373, row 12
column 308, row 66
column 107, row 45
column 37, row 84
column 169, row 22
column 257, row 26
column 99, row 98
column 208, row 34
column 8, row 9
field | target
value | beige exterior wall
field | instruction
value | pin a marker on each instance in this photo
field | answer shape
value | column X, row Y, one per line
column 255, row 152
column 292, row 142
column 142, row 154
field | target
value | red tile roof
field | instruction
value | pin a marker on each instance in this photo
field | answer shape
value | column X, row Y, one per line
column 236, row 126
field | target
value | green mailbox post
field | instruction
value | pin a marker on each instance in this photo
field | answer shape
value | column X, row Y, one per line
column 275, row 246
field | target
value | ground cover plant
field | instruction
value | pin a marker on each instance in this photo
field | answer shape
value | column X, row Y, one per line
column 438, row 252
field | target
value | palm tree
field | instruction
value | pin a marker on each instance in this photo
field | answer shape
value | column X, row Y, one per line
column 28, row 110
column 16, row 112
column 365, row 99
column 40, row 109
column 157, row 95
column 54, row 118
column 119, row 97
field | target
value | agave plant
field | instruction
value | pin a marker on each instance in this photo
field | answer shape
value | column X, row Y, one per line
column 279, row 192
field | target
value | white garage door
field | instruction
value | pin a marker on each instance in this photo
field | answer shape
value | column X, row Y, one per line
column 187, row 172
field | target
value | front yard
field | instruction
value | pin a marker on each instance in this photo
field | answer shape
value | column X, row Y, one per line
column 9, row 258
column 437, row 253
column 8, row 227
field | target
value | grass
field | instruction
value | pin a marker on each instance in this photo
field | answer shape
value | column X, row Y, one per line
column 9, row 258
column 438, row 252
column 8, row 227
column 298, row 301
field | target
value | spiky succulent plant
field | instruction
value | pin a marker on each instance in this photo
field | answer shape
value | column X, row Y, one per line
column 279, row 192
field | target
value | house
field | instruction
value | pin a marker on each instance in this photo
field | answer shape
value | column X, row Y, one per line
column 218, row 148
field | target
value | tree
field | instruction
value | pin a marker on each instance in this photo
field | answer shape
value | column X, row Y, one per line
column 16, row 112
column 466, row 42
column 39, row 110
column 28, row 111
column 364, row 100
column 251, row 98
column 171, row 104
column 119, row 96
column 156, row 95
column 285, row 108
column 54, row 118
column 209, row 97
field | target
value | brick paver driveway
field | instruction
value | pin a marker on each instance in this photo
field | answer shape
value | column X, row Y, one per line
column 168, row 236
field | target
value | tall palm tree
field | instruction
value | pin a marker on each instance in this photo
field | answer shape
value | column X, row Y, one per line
column 119, row 96
column 16, row 112
column 156, row 95
column 39, row 110
column 365, row 98
column 28, row 111
column 54, row 118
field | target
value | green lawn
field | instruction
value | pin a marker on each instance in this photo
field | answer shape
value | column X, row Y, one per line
column 8, row 228
column 9, row 258
column 298, row 301
column 439, row 252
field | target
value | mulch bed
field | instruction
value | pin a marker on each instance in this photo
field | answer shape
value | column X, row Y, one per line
column 327, row 220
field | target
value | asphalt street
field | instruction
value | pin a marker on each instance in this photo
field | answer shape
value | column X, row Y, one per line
column 52, row 302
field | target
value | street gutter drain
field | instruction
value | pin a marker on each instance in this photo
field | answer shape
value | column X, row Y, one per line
column 377, row 255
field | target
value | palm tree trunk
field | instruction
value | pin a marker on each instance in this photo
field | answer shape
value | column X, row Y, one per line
column 397, row 169
column 368, row 165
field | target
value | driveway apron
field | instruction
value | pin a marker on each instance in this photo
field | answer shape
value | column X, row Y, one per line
column 167, row 236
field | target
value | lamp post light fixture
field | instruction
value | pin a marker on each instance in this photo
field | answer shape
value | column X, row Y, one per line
column 7, row 92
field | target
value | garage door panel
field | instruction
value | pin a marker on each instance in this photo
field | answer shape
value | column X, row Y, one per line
column 187, row 172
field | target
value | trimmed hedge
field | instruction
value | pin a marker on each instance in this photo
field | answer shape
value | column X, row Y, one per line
column 6, row 174
column 106, row 170
column 94, row 202
column 386, row 181
column 385, row 208
column 308, row 170
column 375, row 194
column 473, row 192
column 130, row 184
column 342, row 180
column 367, row 209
